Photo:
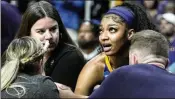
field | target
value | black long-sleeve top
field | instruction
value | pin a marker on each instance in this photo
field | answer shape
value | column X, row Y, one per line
column 65, row 64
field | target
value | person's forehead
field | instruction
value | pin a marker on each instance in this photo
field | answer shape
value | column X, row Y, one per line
column 86, row 23
column 85, row 26
column 165, row 21
column 112, row 16
column 111, row 20
column 45, row 22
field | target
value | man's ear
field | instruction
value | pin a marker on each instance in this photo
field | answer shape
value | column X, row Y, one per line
column 167, row 62
column 133, row 59
column 131, row 32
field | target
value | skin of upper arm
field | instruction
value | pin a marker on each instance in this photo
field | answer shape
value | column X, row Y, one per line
column 91, row 74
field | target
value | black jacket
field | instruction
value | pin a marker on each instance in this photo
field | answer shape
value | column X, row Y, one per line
column 36, row 86
column 65, row 64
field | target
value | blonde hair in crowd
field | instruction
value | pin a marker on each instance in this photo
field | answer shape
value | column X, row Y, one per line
column 20, row 52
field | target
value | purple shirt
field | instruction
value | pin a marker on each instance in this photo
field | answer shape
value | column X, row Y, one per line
column 172, row 52
column 137, row 81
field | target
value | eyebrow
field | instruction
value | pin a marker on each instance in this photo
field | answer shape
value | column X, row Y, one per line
column 109, row 25
column 39, row 29
column 53, row 26
column 112, row 25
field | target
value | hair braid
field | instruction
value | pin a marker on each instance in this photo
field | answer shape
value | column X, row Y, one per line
column 141, row 21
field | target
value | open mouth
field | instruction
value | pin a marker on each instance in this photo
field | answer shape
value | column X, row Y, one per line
column 107, row 47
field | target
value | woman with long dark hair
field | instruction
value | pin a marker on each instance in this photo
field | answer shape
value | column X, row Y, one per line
column 63, row 59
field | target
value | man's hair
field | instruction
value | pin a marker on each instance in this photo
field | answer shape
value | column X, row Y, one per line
column 149, row 42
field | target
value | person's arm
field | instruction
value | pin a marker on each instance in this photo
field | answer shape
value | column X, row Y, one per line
column 66, row 92
column 90, row 75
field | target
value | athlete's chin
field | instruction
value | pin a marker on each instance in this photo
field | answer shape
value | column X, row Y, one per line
column 110, row 53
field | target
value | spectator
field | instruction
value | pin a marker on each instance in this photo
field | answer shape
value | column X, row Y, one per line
column 167, row 24
column 151, row 8
column 88, row 38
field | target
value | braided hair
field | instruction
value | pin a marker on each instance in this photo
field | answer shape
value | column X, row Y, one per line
column 141, row 20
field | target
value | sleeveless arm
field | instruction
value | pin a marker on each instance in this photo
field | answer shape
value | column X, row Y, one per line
column 90, row 75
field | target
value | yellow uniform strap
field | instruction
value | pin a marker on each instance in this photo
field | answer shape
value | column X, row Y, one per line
column 108, row 64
